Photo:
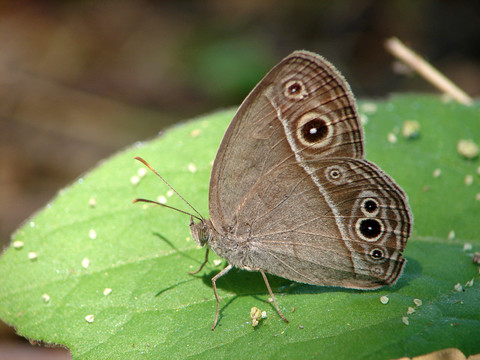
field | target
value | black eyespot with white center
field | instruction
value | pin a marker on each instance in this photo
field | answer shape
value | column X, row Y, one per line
column 294, row 89
column 377, row 254
column 315, row 130
column 335, row 174
column 369, row 229
column 370, row 207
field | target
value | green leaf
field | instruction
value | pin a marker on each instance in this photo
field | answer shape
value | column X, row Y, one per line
column 143, row 253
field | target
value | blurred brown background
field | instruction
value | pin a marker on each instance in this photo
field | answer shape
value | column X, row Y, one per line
column 80, row 80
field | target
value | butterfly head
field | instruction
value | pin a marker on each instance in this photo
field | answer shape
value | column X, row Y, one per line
column 201, row 231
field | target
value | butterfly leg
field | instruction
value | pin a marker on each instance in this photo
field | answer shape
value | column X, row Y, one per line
column 271, row 295
column 214, row 280
column 201, row 266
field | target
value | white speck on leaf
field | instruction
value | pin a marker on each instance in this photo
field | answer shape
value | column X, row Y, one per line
column 135, row 180
column 107, row 291
column 467, row 148
column 192, row 168
column 162, row 199
column 468, row 180
column 141, row 172
column 18, row 244
column 451, row 235
column 392, row 138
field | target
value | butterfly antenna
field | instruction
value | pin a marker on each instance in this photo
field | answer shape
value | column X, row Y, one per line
column 169, row 207
column 199, row 217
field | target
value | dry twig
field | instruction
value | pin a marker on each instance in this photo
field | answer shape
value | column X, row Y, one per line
column 427, row 71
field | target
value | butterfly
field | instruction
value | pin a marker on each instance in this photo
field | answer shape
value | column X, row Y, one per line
column 291, row 193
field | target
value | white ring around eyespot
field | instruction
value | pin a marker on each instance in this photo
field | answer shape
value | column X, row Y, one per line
column 361, row 236
column 377, row 261
column 306, row 118
column 365, row 212
column 299, row 95
column 328, row 174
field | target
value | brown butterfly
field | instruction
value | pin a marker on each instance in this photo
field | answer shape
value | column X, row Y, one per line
column 291, row 192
